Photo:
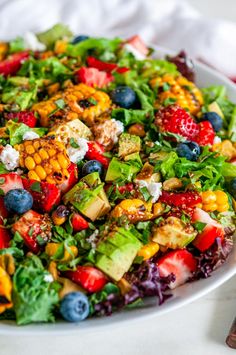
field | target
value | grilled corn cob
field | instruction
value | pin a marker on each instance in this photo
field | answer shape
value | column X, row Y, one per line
column 80, row 101
column 186, row 94
column 45, row 159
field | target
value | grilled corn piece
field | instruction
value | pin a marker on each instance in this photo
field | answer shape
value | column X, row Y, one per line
column 79, row 101
column 186, row 94
column 45, row 159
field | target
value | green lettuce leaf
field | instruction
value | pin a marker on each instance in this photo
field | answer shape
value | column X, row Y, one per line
column 100, row 45
column 17, row 130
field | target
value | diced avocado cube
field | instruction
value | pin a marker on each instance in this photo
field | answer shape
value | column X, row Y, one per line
column 128, row 144
column 214, row 107
column 121, row 170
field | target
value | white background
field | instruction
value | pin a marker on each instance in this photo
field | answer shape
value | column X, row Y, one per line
column 197, row 329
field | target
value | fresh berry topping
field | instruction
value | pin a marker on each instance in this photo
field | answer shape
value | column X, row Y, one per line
column 78, row 222
column 11, row 65
column 90, row 278
column 92, row 166
column 74, row 307
column 18, row 201
column 184, row 65
column 72, row 179
column 10, row 181
column 4, row 236
column 181, row 199
column 95, row 152
column 215, row 119
column 137, row 42
column 79, row 39
column 176, row 120
column 123, row 96
column 104, row 66
column 26, row 117
column 94, row 77
column 188, row 150
column 3, row 211
column 181, row 263
column 206, row 134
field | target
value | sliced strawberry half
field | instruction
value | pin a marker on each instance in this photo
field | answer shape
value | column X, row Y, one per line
column 46, row 196
column 78, row 222
column 104, row 66
column 26, row 117
column 95, row 152
column 94, row 77
column 137, row 42
column 175, row 119
column 72, row 179
column 12, row 64
column 10, row 181
column 3, row 211
column 4, row 236
column 205, row 135
column 179, row 262
column 181, row 199
column 90, row 278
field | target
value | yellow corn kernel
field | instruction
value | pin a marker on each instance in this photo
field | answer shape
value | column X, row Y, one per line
column 50, row 180
column 37, row 158
column 221, row 197
column 29, row 163
column 33, row 176
column 62, row 160
column 30, row 149
column 223, row 207
column 210, row 207
column 43, row 154
column 41, row 172
column 147, row 251
column 22, row 162
column 36, row 144
column 51, row 152
column 55, row 165
column 52, row 248
column 158, row 209
column 208, row 197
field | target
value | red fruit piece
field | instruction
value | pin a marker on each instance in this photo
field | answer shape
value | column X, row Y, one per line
column 95, row 152
column 12, row 64
column 4, row 236
column 176, row 120
column 94, row 77
column 26, row 117
column 45, row 195
column 32, row 226
column 72, row 179
column 78, row 222
column 137, row 42
column 10, row 181
column 206, row 134
column 104, row 66
column 179, row 262
column 3, row 211
column 181, row 199
column 90, row 278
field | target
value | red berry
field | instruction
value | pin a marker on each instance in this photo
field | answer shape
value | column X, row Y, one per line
column 95, row 152
column 26, row 117
column 181, row 199
column 137, row 42
column 4, row 236
column 72, row 179
column 10, row 181
column 176, row 120
column 90, row 278
column 94, row 77
column 104, row 66
column 11, row 65
column 206, row 134
column 78, row 222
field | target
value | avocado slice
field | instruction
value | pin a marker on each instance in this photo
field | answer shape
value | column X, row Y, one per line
column 174, row 234
column 116, row 253
column 214, row 107
column 128, row 144
column 122, row 170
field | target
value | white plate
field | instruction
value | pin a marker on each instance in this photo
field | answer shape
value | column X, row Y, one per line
column 181, row 296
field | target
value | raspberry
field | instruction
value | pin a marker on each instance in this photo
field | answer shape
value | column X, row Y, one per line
column 176, row 120
column 26, row 117
column 181, row 199
column 206, row 134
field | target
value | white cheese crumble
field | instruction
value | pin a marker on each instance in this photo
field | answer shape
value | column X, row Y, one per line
column 119, row 127
column 30, row 135
column 91, row 239
column 216, row 140
column 154, row 188
column 31, row 42
column 48, row 278
column 134, row 51
column 78, row 154
column 10, row 157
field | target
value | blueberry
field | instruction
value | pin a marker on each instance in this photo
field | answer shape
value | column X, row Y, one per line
column 232, row 187
column 79, row 39
column 214, row 119
column 18, row 200
column 92, row 166
column 123, row 96
column 74, row 307
column 188, row 150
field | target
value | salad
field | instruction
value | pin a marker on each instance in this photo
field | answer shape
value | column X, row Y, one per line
column 117, row 176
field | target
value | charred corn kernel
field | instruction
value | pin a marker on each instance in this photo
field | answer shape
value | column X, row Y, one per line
column 29, row 163
column 53, row 89
column 40, row 164
column 208, row 197
column 30, row 149
column 134, row 209
column 221, row 197
column 225, row 148
column 223, row 208
column 52, row 248
column 149, row 250
column 137, row 129
column 186, row 94
column 199, row 205
column 60, row 46
column 60, row 215
column 72, row 96
column 210, row 207
column 158, row 209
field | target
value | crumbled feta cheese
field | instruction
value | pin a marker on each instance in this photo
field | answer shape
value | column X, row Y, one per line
column 154, row 188
column 107, row 132
column 30, row 135
column 134, row 51
column 91, row 239
column 48, row 278
column 119, row 126
column 31, row 42
column 10, row 157
column 216, row 140
column 77, row 154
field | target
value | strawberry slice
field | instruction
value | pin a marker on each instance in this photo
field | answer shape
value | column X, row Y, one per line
column 26, row 117
column 3, row 211
column 12, row 64
column 78, row 222
column 34, row 228
column 10, row 181
column 4, row 236
column 46, row 196
column 104, row 66
column 137, row 42
column 210, row 232
column 179, row 262
column 206, row 134
column 72, row 179
column 181, row 199
column 95, row 152
column 94, row 77
column 90, row 278
column 176, row 120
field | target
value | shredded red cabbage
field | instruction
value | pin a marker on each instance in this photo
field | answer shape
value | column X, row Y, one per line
column 184, row 65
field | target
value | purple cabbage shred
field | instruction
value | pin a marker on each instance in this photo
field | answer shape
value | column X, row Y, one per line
column 184, row 65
